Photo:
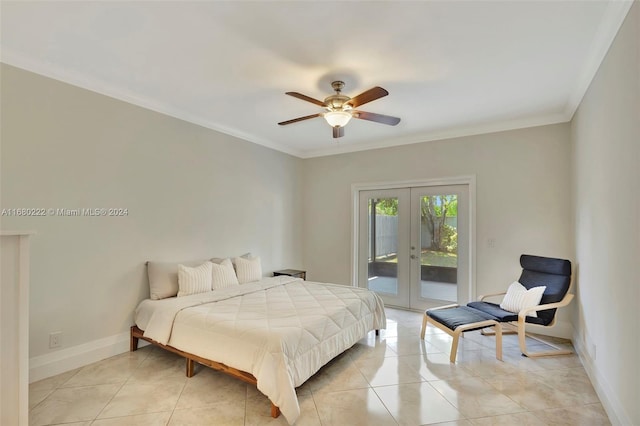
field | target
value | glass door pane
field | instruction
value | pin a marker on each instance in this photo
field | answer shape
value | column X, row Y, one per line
column 382, row 232
column 439, row 247
column 383, row 264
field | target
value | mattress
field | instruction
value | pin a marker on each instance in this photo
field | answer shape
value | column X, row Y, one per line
column 282, row 330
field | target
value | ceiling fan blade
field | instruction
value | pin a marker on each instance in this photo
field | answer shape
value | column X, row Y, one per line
column 338, row 132
column 368, row 96
column 295, row 120
column 305, row 98
column 378, row 118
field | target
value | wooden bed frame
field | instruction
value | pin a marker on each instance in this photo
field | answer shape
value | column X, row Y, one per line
column 137, row 334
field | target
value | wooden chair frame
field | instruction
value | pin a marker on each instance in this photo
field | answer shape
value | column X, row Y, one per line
column 461, row 329
column 521, row 324
column 517, row 327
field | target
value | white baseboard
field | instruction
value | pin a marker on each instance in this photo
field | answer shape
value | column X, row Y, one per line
column 43, row 366
column 612, row 405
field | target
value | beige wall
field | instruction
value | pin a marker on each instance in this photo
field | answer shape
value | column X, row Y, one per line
column 606, row 152
column 191, row 193
column 523, row 198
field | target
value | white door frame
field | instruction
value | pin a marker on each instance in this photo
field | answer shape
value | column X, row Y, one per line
column 469, row 180
column 463, row 282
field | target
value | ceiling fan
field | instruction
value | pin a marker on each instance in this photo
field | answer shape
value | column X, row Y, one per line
column 341, row 108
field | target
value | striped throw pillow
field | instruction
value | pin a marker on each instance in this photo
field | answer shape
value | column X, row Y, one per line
column 248, row 270
column 518, row 298
column 223, row 275
column 194, row 280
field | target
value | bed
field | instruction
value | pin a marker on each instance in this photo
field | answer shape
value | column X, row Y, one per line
column 274, row 333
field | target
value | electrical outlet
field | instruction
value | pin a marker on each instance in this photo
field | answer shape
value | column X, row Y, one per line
column 54, row 339
column 491, row 243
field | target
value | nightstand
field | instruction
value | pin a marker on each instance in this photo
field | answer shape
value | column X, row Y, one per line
column 292, row 273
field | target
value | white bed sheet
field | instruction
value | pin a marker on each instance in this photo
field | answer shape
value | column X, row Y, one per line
column 281, row 329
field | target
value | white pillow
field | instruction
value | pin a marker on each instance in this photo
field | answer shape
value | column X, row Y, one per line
column 194, row 280
column 219, row 260
column 518, row 298
column 248, row 270
column 223, row 275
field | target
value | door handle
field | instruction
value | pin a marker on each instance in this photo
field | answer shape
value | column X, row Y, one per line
column 413, row 256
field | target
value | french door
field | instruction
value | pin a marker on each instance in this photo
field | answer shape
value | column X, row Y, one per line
column 413, row 245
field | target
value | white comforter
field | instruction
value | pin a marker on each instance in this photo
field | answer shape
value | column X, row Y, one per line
column 281, row 329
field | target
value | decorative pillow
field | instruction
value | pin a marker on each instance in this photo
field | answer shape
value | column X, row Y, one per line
column 223, row 275
column 248, row 270
column 194, row 280
column 518, row 298
column 219, row 260
column 163, row 278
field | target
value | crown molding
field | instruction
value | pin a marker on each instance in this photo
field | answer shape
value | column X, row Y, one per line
column 79, row 80
column 92, row 84
column 613, row 19
column 457, row 132
column 610, row 24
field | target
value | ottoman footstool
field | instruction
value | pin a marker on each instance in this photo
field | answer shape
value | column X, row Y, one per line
column 455, row 320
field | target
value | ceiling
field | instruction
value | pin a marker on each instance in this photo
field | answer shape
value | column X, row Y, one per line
column 452, row 68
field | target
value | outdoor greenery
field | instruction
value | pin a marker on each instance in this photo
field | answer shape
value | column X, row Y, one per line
column 387, row 206
column 439, row 258
column 449, row 239
column 434, row 212
column 428, row 257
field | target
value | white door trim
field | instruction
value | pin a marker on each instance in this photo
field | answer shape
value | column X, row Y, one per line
column 469, row 180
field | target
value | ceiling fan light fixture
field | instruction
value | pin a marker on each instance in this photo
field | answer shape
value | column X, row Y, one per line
column 337, row 118
column 340, row 108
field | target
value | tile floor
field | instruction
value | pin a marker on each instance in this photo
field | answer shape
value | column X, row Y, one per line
column 395, row 379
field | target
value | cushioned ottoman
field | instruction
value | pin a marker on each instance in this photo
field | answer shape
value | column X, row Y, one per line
column 455, row 320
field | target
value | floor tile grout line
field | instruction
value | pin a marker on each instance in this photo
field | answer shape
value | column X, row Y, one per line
column 246, row 397
column 51, row 391
column 111, row 399
column 316, row 407
column 180, row 395
column 385, row 405
column 55, row 388
column 502, row 393
column 121, row 386
column 126, row 415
